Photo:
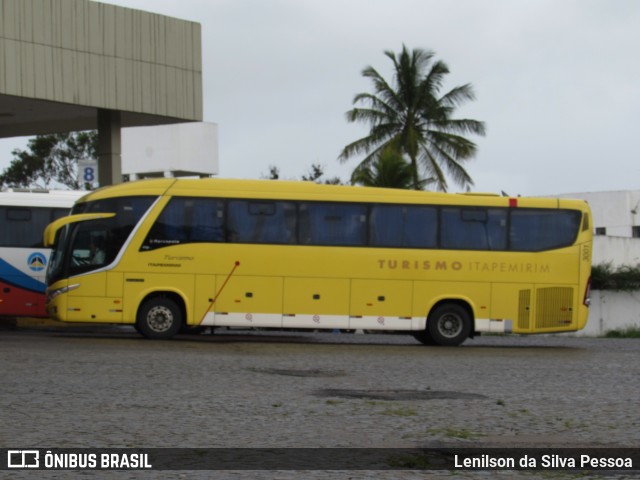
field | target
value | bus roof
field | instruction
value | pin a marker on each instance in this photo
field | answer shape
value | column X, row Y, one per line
column 301, row 190
column 40, row 198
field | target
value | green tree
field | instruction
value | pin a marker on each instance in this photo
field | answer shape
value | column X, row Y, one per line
column 412, row 117
column 388, row 170
column 274, row 173
column 315, row 174
column 50, row 160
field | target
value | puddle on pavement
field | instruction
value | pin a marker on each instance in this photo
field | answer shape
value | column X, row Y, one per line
column 398, row 394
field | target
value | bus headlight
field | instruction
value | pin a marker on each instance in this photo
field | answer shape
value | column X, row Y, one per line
column 52, row 294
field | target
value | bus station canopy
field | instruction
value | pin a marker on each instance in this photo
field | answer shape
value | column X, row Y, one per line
column 64, row 61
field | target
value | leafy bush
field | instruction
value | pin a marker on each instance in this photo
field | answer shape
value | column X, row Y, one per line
column 605, row 277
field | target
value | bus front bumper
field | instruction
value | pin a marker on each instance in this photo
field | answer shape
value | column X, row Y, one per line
column 56, row 297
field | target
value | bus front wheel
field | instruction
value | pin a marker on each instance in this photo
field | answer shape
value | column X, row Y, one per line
column 449, row 324
column 159, row 318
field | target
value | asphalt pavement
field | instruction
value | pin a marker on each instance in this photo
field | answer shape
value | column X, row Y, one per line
column 106, row 387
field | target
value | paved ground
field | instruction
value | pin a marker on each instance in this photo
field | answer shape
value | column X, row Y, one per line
column 111, row 388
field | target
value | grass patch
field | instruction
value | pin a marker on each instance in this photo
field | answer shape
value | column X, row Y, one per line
column 629, row 332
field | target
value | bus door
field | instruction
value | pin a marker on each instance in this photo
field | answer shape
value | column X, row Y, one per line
column 90, row 258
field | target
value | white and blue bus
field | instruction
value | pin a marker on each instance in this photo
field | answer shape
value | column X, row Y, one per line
column 23, row 259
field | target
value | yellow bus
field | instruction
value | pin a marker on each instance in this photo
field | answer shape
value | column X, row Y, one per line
column 172, row 253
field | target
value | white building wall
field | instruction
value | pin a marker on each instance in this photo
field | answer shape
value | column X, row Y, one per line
column 616, row 250
column 611, row 310
column 181, row 149
column 617, row 211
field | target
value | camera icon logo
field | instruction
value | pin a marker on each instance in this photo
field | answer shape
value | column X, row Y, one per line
column 23, row 459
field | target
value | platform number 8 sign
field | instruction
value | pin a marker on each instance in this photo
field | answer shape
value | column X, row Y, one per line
column 88, row 172
column 89, row 175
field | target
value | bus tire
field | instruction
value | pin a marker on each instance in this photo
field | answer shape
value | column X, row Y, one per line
column 159, row 318
column 449, row 324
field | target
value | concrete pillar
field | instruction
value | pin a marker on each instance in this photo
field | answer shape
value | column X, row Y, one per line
column 109, row 148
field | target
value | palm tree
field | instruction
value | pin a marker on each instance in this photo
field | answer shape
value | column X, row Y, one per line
column 412, row 117
column 388, row 170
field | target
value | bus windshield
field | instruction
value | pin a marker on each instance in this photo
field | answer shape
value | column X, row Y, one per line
column 86, row 246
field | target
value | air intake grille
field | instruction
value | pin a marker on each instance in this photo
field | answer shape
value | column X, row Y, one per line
column 554, row 307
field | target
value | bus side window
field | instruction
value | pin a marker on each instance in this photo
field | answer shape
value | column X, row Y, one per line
column 262, row 221
column 23, row 226
column 403, row 226
column 171, row 223
column 534, row 230
column 57, row 213
column 187, row 220
column 386, row 226
column 337, row 224
column 474, row 228
column 421, row 227
column 207, row 220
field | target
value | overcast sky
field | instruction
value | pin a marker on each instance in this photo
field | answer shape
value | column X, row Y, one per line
column 557, row 82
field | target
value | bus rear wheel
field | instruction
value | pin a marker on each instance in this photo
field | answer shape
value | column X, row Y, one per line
column 449, row 324
column 159, row 318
